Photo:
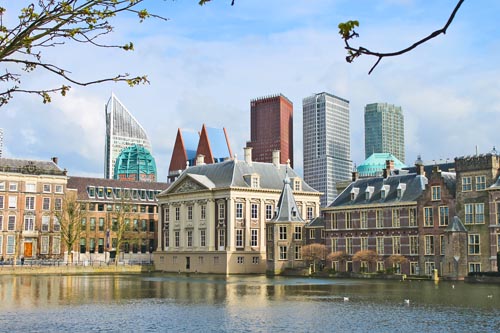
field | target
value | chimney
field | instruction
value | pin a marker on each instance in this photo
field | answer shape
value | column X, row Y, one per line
column 276, row 158
column 55, row 160
column 435, row 169
column 355, row 175
column 389, row 165
column 248, row 154
column 419, row 166
column 200, row 159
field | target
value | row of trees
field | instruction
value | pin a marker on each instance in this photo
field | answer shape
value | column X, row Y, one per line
column 73, row 213
column 317, row 253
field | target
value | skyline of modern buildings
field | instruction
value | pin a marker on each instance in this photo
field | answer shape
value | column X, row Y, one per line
column 122, row 131
column 384, row 130
column 271, row 128
column 326, row 143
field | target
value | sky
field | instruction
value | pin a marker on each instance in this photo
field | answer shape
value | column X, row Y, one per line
column 206, row 63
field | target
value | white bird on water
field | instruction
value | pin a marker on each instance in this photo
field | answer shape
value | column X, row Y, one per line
column 346, row 299
column 407, row 301
column 490, row 296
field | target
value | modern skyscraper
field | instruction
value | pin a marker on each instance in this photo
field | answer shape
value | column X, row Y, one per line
column 122, row 131
column 271, row 128
column 384, row 130
column 327, row 145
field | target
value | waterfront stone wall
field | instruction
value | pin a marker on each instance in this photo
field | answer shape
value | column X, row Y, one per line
column 72, row 270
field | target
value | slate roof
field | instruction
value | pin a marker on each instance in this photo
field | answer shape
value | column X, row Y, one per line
column 496, row 185
column 26, row 166
column 286, row 209
column 317, row 222
column 235, row 173
column 413, row 185
column 456, row 225
column 450, row 180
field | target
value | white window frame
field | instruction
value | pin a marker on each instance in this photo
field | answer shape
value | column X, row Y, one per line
column 58, row 189
column 239, row 210
column 436, row 193
column 11, row 244
column 254, row 240
column 29, row 223
column 29, row 202
column 46, row 203
column 12, row 202
column 444, row 216
column 47, row 188
column 254, row 213
column 13, row 186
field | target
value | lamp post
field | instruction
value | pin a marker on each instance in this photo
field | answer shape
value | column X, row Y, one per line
column 150, row 253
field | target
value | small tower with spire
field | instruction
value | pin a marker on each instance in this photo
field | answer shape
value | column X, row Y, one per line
column 285, row 233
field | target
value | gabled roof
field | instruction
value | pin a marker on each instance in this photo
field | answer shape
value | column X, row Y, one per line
column 186, row 143
column 234, row 173
column 415, row 185
column 214, row 144
column 286, row 210
column 317, row 222
column 34, row 167
column 456, row 226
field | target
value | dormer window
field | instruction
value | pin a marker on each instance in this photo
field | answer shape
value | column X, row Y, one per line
column 401, row 190
column 294, row 212
column 117, row 192
column 384, row 191
column 91, row 191
column 369, row 192
column 354, row 193
column 255, row 181
column 100, row 192
column 297, row 185
column 109, row 193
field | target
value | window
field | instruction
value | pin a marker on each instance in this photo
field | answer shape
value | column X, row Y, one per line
column 428, row 218
column 222, row 211
column 479, row 213
column 498, row 214
column 13, row 186
column 57, row 203
column 1, row 227
column 30, row 187
column 255, row 260
column 44, row 247
column 270, row 233
column 56, row 225
column 309, row 213
column 92, row 224
column 177, row 213
column 114, row 224
column 269, row 212
column 474, row 243
column 474, row 267
column 11, row 244
column 255, row 211
column 2, row 186
column 296, row 184
column 333, row 221
column 312, row 234
column 335, row 244
column 239, row 237
column 177, row 238
column 379, row 217
column 46, row 188
column 203, row 237
column 396, row 222
column 298, row 252
column 56, row 245
column 466, row 184
column 255, row 182
column 239, row 210
column 412, row 216
column 297, row 235
column 59, row 189
column 190, row 213
column 444, row 215
column 364, row 243
column 413, row 268
column 469, row 213
column 11, row 224
column 101, row 224
column 12, row 201
column 348, row 220
column 254, row 241
column 364, row 219
column 29, row 223
column 83, row 224
column 46, row 203
column 282, row 232
column 348, row 245
column 429, row 267
column 1, row 201
column 396, row 245
column 166, row 214
column 30, row 203
column 443, row 244
column 480, row 183
column 45, row 223
column 413, row 245
column 203, row 212
column 283, row 252
column 429, row 245
column 240, row 260
column 189, row 238
column 436, row 193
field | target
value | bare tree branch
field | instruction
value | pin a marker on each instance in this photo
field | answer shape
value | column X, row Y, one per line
column 346, row 30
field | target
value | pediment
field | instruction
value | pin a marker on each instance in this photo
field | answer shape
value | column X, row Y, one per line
column 190, row 183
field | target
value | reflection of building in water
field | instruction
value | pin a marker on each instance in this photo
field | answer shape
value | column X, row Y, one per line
column 214, row 215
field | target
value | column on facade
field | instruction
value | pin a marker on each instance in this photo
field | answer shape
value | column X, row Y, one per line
column 160, row 228
column 230, row 224
column 211, row 224
column 248, row 223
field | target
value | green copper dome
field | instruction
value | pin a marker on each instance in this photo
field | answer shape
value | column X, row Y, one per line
column 135, row 163
column 374, row 164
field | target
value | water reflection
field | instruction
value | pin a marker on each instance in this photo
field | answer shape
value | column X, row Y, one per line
column 242, row 303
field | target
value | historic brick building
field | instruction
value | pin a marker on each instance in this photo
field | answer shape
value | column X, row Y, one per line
column 271, row 128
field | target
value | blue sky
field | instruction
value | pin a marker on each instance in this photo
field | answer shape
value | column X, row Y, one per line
column 206, row 63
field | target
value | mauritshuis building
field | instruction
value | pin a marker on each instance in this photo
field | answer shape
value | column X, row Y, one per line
column 384, row 130
column 327, row 145
column 122, row 131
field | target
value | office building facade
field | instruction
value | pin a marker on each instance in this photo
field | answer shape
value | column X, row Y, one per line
column 271, row 128
column 327, row 146
column 122, row 131
column 384, row 130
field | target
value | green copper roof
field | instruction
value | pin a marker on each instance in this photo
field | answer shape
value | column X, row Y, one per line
column 374, row 164
column 135, row 161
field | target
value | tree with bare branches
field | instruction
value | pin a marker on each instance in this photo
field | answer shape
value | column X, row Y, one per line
column 70, row 216
column 396, row 259
column 339, row 256
column 368, row 256
column 346, row 30
column 315, row 253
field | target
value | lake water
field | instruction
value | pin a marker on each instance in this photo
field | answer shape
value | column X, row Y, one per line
column 200, row 303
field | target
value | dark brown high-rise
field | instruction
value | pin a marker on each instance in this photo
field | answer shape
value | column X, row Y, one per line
column 271, row 128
